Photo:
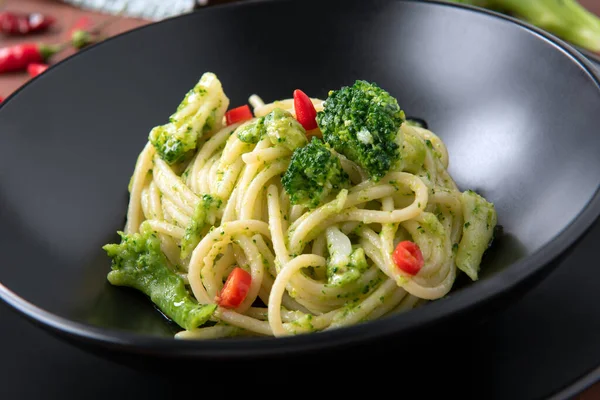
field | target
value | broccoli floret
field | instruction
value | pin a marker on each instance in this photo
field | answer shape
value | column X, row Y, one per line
column 279, row 125
column 313, row 174
column 566, row 19
column 344, row 264
column 204, row 215
column 201, row 111
column 362, row 122
column 139, row 263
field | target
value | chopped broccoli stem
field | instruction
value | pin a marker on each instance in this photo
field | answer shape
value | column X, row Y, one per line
column 279, row 125
column 343, row 274
column 139, row 263
column 282, row 128
column 478, row 230
column 362, row 122
column 252, row 131
column 345, row 264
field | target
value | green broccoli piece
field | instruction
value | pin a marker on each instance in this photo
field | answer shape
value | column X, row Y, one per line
column 253, row 131
column 204, row 216
column 201, row 111
column 282, row 128
column 345, row 263
column 279, row 125
column 480, row 219
column 362, row 122
column 139, row 263
column 313, row 174
column 566, row 19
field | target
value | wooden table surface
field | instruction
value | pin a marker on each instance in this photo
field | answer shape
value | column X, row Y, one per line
column 67, row 15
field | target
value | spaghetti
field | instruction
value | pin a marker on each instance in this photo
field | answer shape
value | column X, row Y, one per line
column 224, row 206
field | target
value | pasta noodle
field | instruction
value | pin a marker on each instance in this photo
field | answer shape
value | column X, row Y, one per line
column 286, row 247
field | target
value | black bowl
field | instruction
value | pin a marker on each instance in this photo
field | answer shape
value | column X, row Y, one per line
column 518, row 110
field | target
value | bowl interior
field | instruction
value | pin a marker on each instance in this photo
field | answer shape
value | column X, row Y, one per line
column 519, row 117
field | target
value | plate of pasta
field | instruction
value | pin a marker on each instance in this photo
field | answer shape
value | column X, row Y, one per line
column 403, row 169
column 295, row 216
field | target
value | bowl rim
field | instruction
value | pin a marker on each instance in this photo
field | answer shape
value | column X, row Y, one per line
column 454, row 304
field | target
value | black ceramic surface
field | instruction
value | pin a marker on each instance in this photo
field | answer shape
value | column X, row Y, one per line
column 486, row 85
column 542, row 344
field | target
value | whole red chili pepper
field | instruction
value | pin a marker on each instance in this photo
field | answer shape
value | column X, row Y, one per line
column 13, row 23
column 34, row 69
column 18, row 57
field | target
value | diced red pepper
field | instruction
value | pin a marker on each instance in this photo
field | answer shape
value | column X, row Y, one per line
column 306, row 113
column 238, row 114
column 235, row 289
column 408, row 257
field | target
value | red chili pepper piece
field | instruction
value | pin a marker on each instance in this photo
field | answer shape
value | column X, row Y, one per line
column 238, row 114
column 306, row 113
column 235, row 289
column 18, row 57
column 13, row 23
column 1, row 99
column 34, row 69
column 408, row 257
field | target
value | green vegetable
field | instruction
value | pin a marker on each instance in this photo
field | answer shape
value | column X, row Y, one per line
column 480, row 220
column 345, row 263
column 566, row 19
column 282, row 128
column 139, row 263
column 313, row 174
column 201, row 111
column 253, row 131
column 279, row 125
column 204, row 216
column 362, row 122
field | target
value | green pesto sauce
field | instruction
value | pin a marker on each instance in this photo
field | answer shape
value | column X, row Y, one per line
column 196, row 229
